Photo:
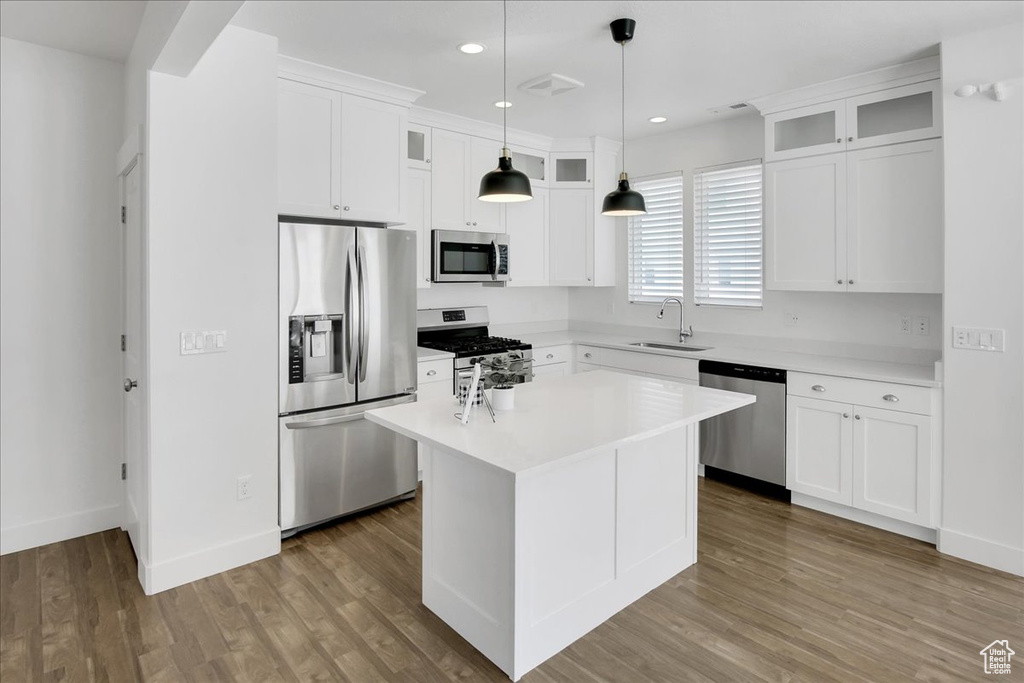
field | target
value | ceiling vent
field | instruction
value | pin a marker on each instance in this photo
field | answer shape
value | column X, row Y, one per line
column 739, row 105
column 729, row 108
column 549, row 85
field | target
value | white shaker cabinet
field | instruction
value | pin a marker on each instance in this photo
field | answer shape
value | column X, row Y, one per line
column 894, row 115
column 572, row 170
column 571, row 238
column 894, row 218
column 816, row 129
column 819, row 449
column 805, row 223
column 308, row 150
column 458, row 162
column 891, row 456
column 527, row 226
column 339, row 155
column 418, row 220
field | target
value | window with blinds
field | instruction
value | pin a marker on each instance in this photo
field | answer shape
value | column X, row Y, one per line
column 727, row 235
column 656, row 241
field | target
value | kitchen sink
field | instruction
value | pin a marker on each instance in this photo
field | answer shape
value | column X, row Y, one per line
column 669, row 346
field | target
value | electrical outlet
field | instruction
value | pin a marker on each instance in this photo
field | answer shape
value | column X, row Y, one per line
column 922, row 325
column 244, row 487
column 905, row 325
column 790, row 319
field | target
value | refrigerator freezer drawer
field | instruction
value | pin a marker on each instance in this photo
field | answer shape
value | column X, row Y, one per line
column 334, row 462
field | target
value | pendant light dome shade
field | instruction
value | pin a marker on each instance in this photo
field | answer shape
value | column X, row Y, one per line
column 623, row 201
column 505, row 184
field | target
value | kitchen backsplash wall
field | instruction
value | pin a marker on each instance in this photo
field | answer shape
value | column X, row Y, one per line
column 505, row 304
column 845, row 317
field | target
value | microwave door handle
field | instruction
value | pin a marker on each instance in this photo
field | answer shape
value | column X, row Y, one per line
column 497, row 261
column 351, row 313
column 364, row 333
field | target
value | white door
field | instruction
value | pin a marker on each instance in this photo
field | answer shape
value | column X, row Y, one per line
column 484, row 216
column 819, row 449
column 570, row 237
column 911, row 112
column 450, row 177
column 133, row 345
column 308, row 150
column 418, row 220
column 527, row 226
column 541, row 372
column 805, row 224
column 806, row 131
column 374, row 146
column 892, row 464
column 894, row 212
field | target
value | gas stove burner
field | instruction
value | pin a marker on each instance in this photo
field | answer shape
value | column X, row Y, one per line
column 475, row 346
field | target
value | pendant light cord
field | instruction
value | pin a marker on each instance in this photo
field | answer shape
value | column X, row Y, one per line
column 623, row 46
column 504, row 74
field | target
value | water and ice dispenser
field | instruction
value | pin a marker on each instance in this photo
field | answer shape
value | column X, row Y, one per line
column 316, row 348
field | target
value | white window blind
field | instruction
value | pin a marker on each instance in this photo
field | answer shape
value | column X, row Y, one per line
column 656, row 241
column 727, row 235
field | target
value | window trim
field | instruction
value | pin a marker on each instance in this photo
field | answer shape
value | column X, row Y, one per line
column 757, row 161
column 636, row 181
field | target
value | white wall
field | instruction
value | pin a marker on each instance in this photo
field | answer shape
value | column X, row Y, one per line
column 60, row 305
column 834, row 317
column 212, row 265
column 158, row 22
column 506, row 305
column 983, row 472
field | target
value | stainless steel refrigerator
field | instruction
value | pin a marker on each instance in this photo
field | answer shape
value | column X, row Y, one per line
column 347, row 345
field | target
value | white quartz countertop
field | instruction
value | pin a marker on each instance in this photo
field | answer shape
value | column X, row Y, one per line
column 901, row 373
column 560, row 418
column 424, row 354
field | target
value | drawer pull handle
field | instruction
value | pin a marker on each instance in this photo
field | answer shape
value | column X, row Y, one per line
column 551, row 355
column 588, row 355
column 891, row 398
column 431, row 373
column 818, row 387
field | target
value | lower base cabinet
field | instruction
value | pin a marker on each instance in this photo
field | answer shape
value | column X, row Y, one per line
column 869, row 458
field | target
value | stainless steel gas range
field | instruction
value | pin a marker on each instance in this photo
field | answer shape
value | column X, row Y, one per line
column 463, row 331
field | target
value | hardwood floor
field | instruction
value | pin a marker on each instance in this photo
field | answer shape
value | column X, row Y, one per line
column 779, row 594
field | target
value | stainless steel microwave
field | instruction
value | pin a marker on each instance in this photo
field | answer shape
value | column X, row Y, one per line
column 463, row 256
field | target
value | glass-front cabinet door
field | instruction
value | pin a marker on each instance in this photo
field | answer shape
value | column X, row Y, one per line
column 533, row 163
column 572, row 170
column 895, row 115
column 805, row 131
column 419, row 146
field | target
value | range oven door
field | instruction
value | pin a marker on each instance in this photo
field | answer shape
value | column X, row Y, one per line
column 335, row 462
column 460, row 256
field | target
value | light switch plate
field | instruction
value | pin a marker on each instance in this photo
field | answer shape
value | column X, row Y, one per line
column 979, row 339
column 205, row 341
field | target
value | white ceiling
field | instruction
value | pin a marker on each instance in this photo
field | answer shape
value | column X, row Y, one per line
column 686, row 57
column 98, row 28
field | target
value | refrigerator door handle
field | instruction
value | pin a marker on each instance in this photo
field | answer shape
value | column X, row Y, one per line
column 364, row 332
column 351, row 314
column 323, row 422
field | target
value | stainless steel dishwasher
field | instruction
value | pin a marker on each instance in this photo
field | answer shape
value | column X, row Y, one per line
column 750, row 441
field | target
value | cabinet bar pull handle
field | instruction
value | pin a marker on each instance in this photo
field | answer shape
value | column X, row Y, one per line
column 431, row 373
column 891, row 398
column 818, row 387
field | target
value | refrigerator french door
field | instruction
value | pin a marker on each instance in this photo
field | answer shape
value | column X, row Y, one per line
column 347, row 340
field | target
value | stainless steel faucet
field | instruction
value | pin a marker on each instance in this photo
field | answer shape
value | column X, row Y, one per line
column 683, row 334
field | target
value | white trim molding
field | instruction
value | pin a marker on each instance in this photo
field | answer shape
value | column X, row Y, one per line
column 981, row 551
column 492, row 131
column 187, row 568
column 44, row 532
column 864, row 517
column 324, row 76
column 870, row 81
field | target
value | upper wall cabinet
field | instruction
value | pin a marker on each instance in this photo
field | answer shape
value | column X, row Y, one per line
column 884, row 117
column 533, row 163
column 339, row 155
column 458, row 162
column 572, row 170
column 419, row 146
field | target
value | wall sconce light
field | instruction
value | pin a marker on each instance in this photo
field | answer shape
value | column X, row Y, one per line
column 997, row 91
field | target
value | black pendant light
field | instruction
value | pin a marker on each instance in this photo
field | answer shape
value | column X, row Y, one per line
column 505, row 184
column 623, row 201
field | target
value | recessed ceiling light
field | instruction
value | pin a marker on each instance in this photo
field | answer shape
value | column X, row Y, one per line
column 657, row 119
column 472, row 48
column 502, row 105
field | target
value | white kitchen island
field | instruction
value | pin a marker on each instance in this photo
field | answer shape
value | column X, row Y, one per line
column 539, row 527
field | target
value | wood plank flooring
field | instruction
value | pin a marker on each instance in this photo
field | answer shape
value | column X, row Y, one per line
column 779, row 594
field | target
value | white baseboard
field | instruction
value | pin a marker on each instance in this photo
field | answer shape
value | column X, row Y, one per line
column 181, row 570
column 44, row 532
column 896, row 526
column 981, row 551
